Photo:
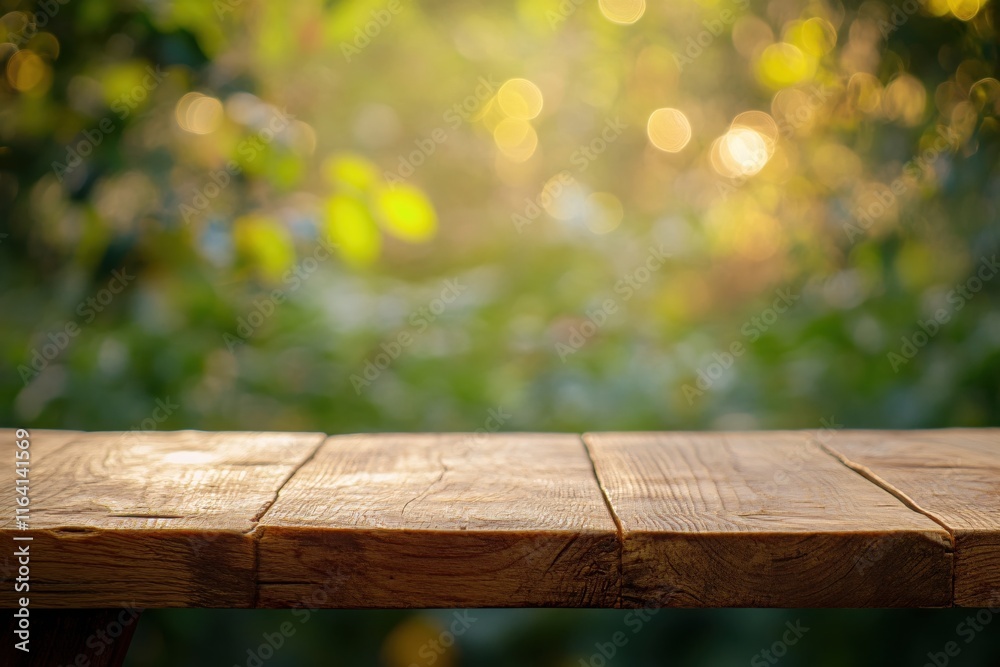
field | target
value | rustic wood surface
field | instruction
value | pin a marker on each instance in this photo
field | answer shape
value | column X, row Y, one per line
column 147, row 519
column 762, row 520
column 441, row 521
column 193, row 519
column 952, row 476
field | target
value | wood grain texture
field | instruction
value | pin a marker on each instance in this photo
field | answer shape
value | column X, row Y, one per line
column 441, row 521
column 953, row 476
column 763, row 519
column 147, row 519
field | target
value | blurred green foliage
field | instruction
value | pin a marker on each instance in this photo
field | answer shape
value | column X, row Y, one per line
column 218, row 151
column 569, row 638
column 337, row 216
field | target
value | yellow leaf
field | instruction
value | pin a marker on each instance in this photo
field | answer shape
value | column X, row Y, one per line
column 785, row 64
column 407, row 214
column 265, row 243
column 348, row 169
column 122, row 80
column 351, row 227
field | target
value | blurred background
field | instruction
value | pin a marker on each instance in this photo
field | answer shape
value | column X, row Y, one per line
column 541, row 215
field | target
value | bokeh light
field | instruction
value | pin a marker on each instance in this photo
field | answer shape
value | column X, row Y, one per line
column 355, row 161
column 563, row 198
column 783, row 64
column 623, row 11
column 985, row 95
column 761, row 123
column 520, row 99
column 751, row 35
column 668, row 129
column 27, row 72
column 964, row 10
column 516, row 139
column 905, row 100
column 864, row 92
column 815, row 36
column 199, row 114
column 748, row 145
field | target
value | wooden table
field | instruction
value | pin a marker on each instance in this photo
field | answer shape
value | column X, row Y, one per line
column 277, row 520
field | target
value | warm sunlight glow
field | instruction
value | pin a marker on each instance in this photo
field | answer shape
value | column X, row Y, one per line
column 26, row 71
column 668, row 130
column 623, row 11
column 199, row 114
column 740, row 152
column 516, row 139
column 520, row 98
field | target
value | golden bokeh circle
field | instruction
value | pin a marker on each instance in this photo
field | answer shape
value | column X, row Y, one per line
column 669, row 130
column 622, row 11
column 520, row 98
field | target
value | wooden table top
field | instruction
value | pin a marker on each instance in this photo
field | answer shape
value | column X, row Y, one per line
column 682, row 519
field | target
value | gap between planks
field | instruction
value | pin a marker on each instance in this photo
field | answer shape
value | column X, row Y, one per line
column 614, row 517
column 258, row 531
column 949, row 542
column 866, row 473
column 875, row 479
column 883, row 484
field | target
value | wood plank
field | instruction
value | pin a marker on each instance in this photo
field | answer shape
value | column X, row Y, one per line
column 953, row 475
column 441, row 520
column 148, row 519
column 762, row 519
